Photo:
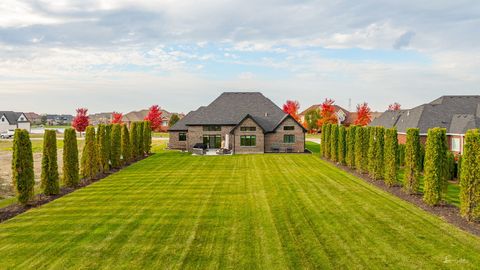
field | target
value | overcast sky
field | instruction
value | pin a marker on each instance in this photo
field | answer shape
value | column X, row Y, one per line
column 121, row 55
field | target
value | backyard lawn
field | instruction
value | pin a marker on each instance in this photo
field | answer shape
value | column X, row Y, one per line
column 271, row 211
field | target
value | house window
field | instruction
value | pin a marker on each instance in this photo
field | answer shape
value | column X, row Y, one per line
column 248, row 140
column 288, row 138
column 455, row 144
column 182, row 136
column 164, row 123
column 212, row 128
column 248, row 128
column 212, row 141
column 3, row 119
column 288, row 128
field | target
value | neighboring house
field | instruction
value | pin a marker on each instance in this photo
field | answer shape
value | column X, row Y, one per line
column 244, row 122
column 455, row 113
column 345, row 117
column 35, row 119
column 12, row 120
column 136, row 116
column 100, row 118
column 59, row 119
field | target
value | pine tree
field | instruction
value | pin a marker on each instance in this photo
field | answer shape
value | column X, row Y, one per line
column 49, row 175
column 334, row 143
column 90, row 159
column 413, row 162
column 350, row 158
column 147, row 137
column 103, row 155
column 342, row 145
column 435, row 159
column 141, row 145
column 116, row 148
column 134, row 140
column 22, row 166
column 391, row 157
column 126, row 146
column 70, row 158
column 470, row 177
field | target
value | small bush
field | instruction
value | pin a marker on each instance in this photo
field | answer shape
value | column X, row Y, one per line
column 116, row 147
column 469, row 180
column 413, row 162
column 22, row 166
column 49, row 175
column 391, row 157
column 90, row 160
column 435, row 171
column 70, row 158
column 126, row 146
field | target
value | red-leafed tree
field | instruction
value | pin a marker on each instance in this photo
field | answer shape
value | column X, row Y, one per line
column 155, row 117
column 291, row 107
column 117, row 118
column 364, row 114
column 327, row 113
column 394, row 107
column 81, row 120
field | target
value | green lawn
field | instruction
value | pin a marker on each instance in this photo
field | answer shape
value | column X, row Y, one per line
column 272, row 211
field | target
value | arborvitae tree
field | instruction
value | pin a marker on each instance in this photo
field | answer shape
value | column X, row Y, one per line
column 102, row 147
column 334, row 143
column 49, row 175
column 141, row 145
column 342, row 145
column 361, row 149
column 470, row 175
column 371, row 151
column 108, row 144
column 413, row 162
column 22, row 166
column 401, row 155
column 90, row 160
column 322, row 142
column 147, row 137
column 326, row 144
column 350, row 158
column 126, row 146
column 70, row 158
column 366, row 140
column 379, row 148
column 116, row 148
column 134, row 140
column 459, row 167
column 435, row 156
column 391, row 157
column 450, row 166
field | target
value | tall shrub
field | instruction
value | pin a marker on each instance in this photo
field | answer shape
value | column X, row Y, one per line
column 379, row 153
column 108, row 144
column 401, row 155
column 435, row 159
column 326, row 145
column 140, row 138
column 334, row 143
column 371, row 151
column 342, row 144
column 22, row 166
column 134, row 140
column 116, row 148
column 147, row 137
column 391, row 157
column 70, row 158
column 49, row 175
column 322, row 141
column 361, row 149
column 350, row 158
column 90, row 160
column 450, row 166
column 413, row 162
column 126, row 148
column 470, row 177
column 102, row 147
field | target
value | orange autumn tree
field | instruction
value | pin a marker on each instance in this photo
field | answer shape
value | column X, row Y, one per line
column 364, row 114
column 117, row 118
column 327, row 113
column 291, row 107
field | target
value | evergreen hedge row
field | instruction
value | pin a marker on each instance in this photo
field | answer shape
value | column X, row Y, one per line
column 391, row 157
column 470, row 177
column 334, row 143
column 103, row 156
column 116, row 146
column 413, row 162
column 435, row 161
column 70, row 158
column 372, row 152
column 147, row 137
column 361, row 149
column 350, row 158
column 126, row 147
column 134, row 140
column 140, row 138
column 22, row 166
column 108, row 144
column 326, row 149
column 49, row 175
column 322, row 142
column 342, row 145
column 90, row 160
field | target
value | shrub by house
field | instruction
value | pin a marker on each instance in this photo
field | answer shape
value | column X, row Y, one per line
column 413, row 162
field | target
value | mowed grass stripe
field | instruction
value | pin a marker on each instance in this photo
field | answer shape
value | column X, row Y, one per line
column 273, row 211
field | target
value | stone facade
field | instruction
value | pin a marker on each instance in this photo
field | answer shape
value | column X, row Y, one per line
column 275, row 140
column 258, row 133
column 174, row 142
column 195, row 135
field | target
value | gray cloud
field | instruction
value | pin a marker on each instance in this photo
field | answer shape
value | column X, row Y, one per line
column 403, row 40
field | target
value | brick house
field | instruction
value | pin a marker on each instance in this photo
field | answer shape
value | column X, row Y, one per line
column 136, row 116
column 243, row 122
column 457, row 114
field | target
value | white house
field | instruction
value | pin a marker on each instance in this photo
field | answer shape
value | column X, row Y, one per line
column 13, row 120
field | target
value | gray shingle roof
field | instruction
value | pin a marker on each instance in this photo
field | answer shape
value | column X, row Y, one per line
column 12, row 117
column 230, row 108
column 455, row 113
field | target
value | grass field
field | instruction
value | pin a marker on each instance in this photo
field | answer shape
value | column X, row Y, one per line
column 272, row 211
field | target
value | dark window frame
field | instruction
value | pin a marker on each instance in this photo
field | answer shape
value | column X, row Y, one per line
column 212, row 128
column 182, row 136
column 243, row 129
column 289, row 138
column 248, row 140
column 288, row 127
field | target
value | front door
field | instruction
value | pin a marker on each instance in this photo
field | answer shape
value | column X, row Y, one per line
column 212, row 141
